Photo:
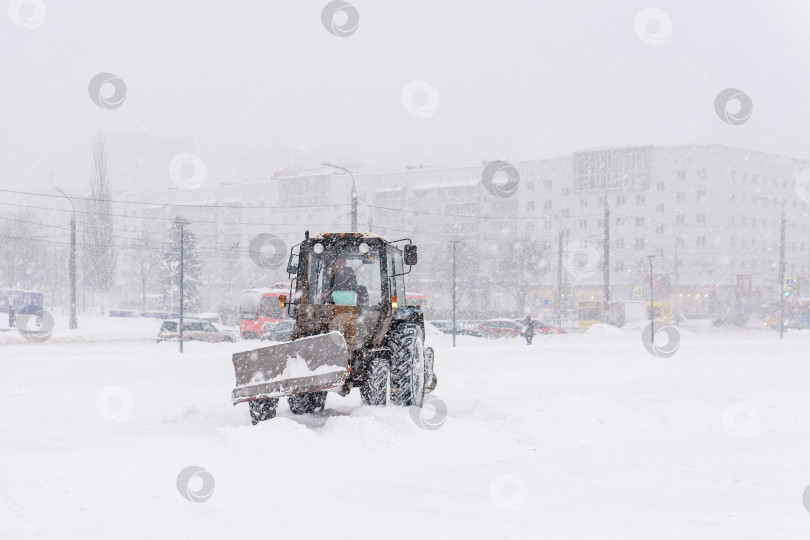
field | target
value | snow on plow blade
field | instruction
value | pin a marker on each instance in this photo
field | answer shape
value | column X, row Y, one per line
column 305, row 365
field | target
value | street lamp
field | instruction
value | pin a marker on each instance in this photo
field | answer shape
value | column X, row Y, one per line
column 354, row 191
column 74, row 323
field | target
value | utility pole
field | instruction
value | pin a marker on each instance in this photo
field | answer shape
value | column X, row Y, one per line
column 606, row 257
column 454, row 242
column 182, row 223
column 652, row 308
column 782, row 274
column 354, row 191
column 558, row 300
column 74, row 322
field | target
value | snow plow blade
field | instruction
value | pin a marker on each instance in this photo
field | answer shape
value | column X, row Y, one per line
column 308, row 364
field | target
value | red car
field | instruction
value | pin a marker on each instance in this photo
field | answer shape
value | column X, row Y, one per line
column 540, row 328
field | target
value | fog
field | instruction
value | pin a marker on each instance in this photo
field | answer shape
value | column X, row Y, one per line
column 514, row 81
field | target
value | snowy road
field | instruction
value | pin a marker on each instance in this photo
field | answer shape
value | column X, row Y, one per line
column 578, row 436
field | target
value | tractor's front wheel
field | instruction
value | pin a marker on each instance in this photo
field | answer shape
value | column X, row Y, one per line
column 262, row 409
column 408, row 369
column 374, row 390
column 307, row 403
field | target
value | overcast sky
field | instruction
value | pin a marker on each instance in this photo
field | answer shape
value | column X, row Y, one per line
column 513, row 80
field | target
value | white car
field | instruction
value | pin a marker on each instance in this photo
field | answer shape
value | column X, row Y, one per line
column 194, row 330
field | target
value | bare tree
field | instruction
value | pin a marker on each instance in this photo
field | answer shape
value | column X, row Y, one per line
column 99, row 253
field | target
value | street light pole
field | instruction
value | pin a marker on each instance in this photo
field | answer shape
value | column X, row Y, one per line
column 74, row 322
column 782, row 274
column 454, row 242
column 354, row 192
column 182, row 223
column 652, row 308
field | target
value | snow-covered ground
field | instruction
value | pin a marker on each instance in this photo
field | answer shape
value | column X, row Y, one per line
column 578, row 436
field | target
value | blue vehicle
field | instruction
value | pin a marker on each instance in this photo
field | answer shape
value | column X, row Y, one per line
column 23, row 302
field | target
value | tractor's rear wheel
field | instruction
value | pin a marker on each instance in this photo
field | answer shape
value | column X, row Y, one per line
column 307, row 403
column 375, row 388
column 262, row 409
column 408, row 370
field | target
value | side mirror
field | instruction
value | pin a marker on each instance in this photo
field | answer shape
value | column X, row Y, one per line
column 292, row 265
column 410, row 255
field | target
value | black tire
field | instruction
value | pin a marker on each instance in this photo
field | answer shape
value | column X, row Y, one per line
column 375, row 388
column 307, row 403
column 408, row 372
column 262, row 409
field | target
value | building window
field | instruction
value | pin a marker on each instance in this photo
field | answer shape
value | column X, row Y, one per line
column 639, row 244
column 680, row 197
column 547, row 205
column 620, row 243
column 530, row 185
column 547, row 224
column 640, row 200
column 620, row 200
column 661, row 186
column 639, row 222
column 680, row 220
column 660, row 208
column 701, row 240
column 701, row 218
column 701, row 174
column 700, row 195
column 659, row 252
column 566, row 191
column 547, row 185
column 583, row 223
column 681, row 174
column 565, row 212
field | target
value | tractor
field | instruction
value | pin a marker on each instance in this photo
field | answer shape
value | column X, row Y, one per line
column 352, row 329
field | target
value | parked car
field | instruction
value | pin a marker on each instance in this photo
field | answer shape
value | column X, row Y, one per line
column 194, row 330
column 542, row 328
column 280, row 331
column 462, row 328
column 498, row 328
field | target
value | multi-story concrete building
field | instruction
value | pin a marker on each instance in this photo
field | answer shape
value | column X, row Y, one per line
column 709, row 214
